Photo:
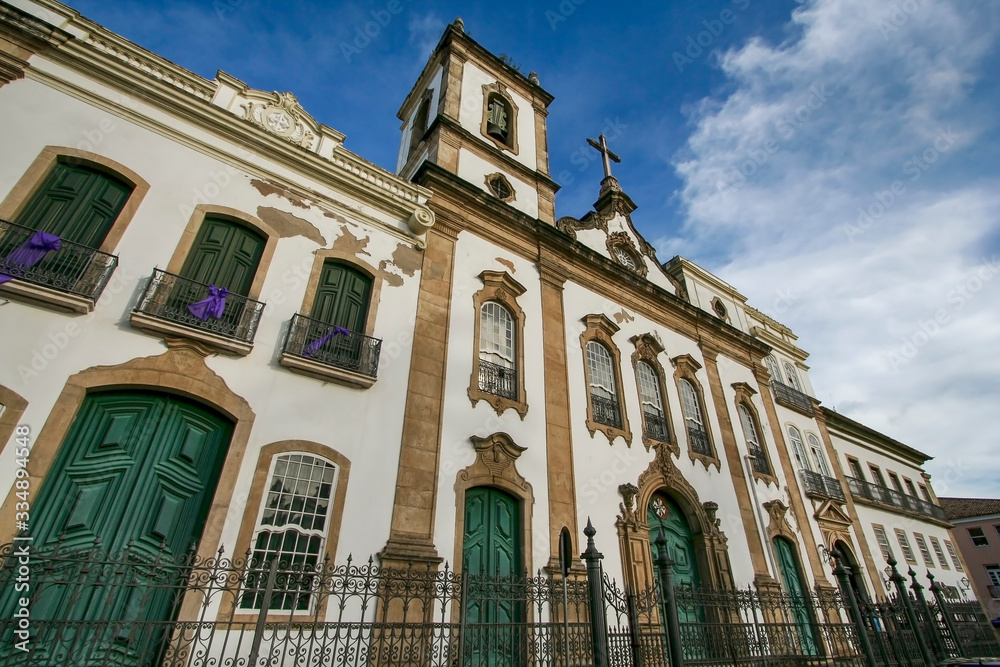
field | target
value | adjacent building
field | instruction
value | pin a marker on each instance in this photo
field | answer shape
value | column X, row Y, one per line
column 977, row 535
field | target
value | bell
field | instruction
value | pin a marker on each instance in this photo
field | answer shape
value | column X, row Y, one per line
column 495, row 131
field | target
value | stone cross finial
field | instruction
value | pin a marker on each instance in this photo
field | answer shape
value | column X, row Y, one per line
column 606, row 153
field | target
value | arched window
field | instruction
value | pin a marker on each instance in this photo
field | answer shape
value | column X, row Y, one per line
column 497, row 358
column 652, row 402
column 419, row 126
column 603, row 390
column 293, row 524
column 816, row 453
column 774, row 369
column 798, row 449
column 792, row 377
column 752, row 434
column 691, row 404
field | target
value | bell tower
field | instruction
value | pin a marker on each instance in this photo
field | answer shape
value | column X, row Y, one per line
column 477, row 116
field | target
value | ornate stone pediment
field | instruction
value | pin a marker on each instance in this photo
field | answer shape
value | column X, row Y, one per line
column 778, row 511
column 282, row 115
column 495, row 457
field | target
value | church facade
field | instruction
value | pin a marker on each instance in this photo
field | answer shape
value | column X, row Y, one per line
column 224, row 330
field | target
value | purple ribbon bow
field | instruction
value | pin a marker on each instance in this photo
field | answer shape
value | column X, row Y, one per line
column 211, row 306
column 32, row 251
column 313, row 347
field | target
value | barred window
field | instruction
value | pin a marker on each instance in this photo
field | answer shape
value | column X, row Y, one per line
column 292, row 528
column 496, row 335
column 602, row 376
column 692, row 410
column 649, row 388
column 904, row 545
column 954, row 556
column 792, row 377
column 925, row 552
column 816, row 449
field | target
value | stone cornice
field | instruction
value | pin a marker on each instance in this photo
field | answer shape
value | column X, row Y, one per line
column 793, row 351
column 29, row 31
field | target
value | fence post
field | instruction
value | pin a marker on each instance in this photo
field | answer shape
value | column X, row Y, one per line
column 635, row 641
column 664, row 567
column 842, row 572
column 265, row 607
column 595, row 584
column 946, row 614
column 463, row 612
column 911, row 617
column 918, row 591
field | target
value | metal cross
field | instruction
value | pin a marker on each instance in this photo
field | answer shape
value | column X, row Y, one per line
column 605, row 153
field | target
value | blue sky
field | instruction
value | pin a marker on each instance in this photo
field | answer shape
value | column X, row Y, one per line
column 835, row 160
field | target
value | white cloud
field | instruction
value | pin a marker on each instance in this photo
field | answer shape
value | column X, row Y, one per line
column 805, row 177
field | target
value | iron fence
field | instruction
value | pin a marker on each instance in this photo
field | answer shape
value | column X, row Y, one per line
column 698, row 438
column 333, row 346
column 498, row 380
column 814, row 483
column 169, row 297
column 656, row 426
column 71, row 268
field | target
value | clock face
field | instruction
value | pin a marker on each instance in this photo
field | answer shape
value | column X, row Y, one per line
column 624, row 257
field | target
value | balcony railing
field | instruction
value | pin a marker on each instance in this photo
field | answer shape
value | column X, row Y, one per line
column 815, row 484
column 994, row 591
column 498, row 380
column 885, row 496
column 606, row 411
column 656, row 426
column 73, row 268
column 168, row 296
column 793, row 398
column 326, row 344
column 699, row 440
column 759, row 459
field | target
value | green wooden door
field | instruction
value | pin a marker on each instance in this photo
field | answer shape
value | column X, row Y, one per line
column 665, row 517
column 491, row 552
column 224, row 254
column 77, row 204
column 342, row 297
column 791, row 577
column 136, row 471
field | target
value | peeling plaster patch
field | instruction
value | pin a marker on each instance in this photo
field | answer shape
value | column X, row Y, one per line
column 267, row 188
column 288, row 225
column 351, row 244
column 506, row 262
column 623, row 317
column 405, row 258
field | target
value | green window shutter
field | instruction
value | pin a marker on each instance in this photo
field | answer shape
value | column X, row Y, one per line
column 342, row 297
column 791, row 576
column 76, row 203
column 224, row 254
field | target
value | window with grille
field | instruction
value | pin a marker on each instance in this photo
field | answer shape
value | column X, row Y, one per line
column 904, row 546
column 752, row 435
column 883, row 542
column 691, row 406
column 603, row 390
column 954, row 556
column 925, row 553
column 798, row 449
column 792, row 377
column 936, row 545
column 292, row 529
column 497, row 374
column 979, row 538
column 652, row 402
column 816, row 450
column 993, row 572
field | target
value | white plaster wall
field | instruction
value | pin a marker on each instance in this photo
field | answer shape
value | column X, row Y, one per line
column 471, row 113
column 364, row 426
column 460, row 420
column 474, row 169
column 407, row 127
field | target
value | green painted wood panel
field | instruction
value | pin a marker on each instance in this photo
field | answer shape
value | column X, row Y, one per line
column 76, row 203
column 224, row 254
column 791, row 577
column 342, row 297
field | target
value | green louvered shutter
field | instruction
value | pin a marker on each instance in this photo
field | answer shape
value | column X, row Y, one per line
column 224, row 254
column 342, row 297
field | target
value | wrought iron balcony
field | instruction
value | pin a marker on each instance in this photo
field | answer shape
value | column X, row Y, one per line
column 760, row 462
column 793, row 398
column 815, row 484
column 498, row 380
column 168, row 297
column 71, row 268
column 606, row 411
column 656, row 426
column 698, row 439
column 327, row 345
column 881, row 495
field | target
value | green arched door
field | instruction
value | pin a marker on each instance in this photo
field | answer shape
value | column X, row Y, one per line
column 665, row 517
column 791, row 577
column 491, row 553
column 136, row 473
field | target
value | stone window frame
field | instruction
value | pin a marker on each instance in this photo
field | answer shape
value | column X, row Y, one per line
column 251, row 513
column 720, row 310
column 17, row 199
column 744, row 394
column 939, row 552
column 500, row 90
column 883, row 544
column 500, row 287
column 686, row 367
column 600, row 329
column 924, row 549
column 503, row 177
column 904, row 546
column 648, row 349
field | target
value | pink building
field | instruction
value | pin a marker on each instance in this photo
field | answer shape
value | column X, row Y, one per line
column 977, row 536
